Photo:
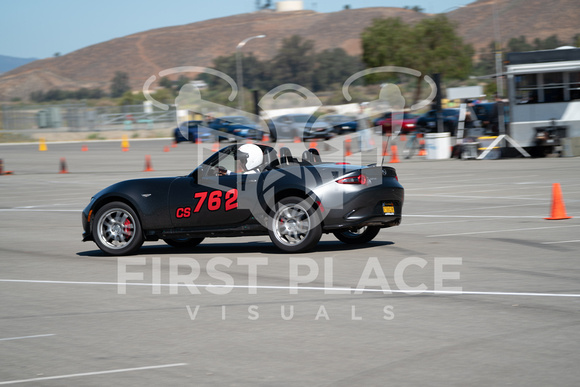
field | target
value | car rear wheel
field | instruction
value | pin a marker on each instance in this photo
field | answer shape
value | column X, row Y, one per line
column 117, row 230
column 295, row 226
column 183, row 242
column 357, row 235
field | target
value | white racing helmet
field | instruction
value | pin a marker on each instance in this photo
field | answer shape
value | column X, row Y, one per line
column 250, row 156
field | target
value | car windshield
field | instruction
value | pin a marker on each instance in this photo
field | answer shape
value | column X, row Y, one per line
column 238, row 120
column 304, row 118
column 450, row 112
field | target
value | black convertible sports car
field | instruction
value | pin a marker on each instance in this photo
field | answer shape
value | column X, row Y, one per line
column 246, row 190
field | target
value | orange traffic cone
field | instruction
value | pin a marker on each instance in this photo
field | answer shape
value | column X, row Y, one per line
column 42, row 145
column 394, row 157
column 2, row 171
column 297, row 140
column 174, row 144
column 166, row 148
column 313, row 145
column 84, row 148
column 125, row 143
column 558, row 210
column 216, row 146
column 422, row 151
column 63, row 168
column 265, row 137
column 347, row 151
column 148, row 167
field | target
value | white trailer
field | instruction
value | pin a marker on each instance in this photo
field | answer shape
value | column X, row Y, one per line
column 544, row 94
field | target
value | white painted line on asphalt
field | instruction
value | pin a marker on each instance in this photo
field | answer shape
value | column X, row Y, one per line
column 92, row 373
column 474, row 216
column 552, row 243
column 481, row 197
column 495, row 231
column 471, row 209
column 429, row 223
column 26, row 337
column 34, row 210
column 315, row 288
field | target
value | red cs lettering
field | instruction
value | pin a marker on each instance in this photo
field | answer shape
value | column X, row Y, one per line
column 183, row 212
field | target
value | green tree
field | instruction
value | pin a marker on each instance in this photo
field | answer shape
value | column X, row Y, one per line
column 386, row 42
column 486, row 63
column 431, row 46
column 225, row 64
column 518, row 45
column 549, row 43
column 332, row 67
column 120, row 84
column 166, row 83
column 96, row 94
column 294, row 62
column 181, row 81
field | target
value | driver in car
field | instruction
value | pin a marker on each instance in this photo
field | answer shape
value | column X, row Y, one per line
column 249, row 158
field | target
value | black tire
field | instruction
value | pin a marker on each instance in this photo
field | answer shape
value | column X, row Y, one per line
column 117, row 229
column 183, row 242
column 357, row 236
column 295, row 226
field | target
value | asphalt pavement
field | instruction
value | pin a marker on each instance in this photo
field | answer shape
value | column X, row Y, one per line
column 474, row 287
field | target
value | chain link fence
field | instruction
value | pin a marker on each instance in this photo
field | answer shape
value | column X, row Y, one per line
column 80, row 117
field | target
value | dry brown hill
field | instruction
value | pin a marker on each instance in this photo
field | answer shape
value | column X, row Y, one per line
column 146, row 53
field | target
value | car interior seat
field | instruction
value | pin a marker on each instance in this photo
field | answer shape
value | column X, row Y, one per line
column 285, row 156
column 311, row 156
column 270, row 158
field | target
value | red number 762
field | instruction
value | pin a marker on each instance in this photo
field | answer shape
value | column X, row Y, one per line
column 214, row 200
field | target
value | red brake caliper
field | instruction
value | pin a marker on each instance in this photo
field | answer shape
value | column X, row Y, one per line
column 127, row 229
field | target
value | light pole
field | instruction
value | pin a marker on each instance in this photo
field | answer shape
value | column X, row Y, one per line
column 498, row 51
column 239, row 71
column 452, row 8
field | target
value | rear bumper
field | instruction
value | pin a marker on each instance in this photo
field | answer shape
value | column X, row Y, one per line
column 381, row 207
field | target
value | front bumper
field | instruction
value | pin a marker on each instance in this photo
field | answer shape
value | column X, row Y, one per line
column 87, row 234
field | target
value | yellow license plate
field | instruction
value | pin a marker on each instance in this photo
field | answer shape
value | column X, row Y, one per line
column 388, row 209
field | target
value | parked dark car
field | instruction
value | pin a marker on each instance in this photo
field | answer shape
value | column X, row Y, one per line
column 341, row 123
column 302, row 126
column 428, row 121
column 191, row 131
column 236, row 126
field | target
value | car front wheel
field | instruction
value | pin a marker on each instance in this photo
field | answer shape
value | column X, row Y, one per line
column 357, row 235
column 295, row 226
column 117, row 229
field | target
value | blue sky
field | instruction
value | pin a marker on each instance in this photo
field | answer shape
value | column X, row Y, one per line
column 41, row 28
